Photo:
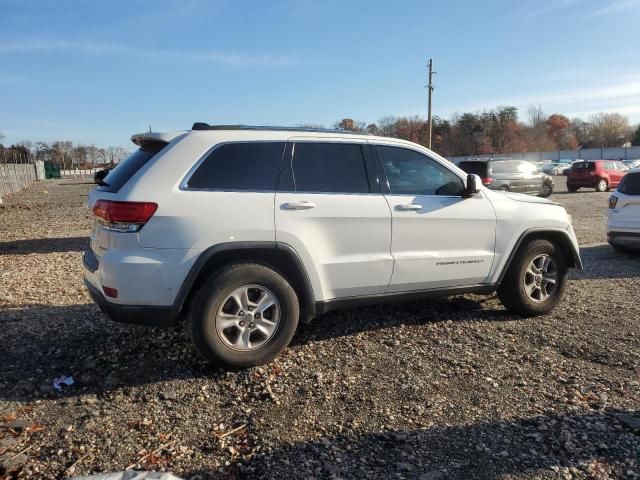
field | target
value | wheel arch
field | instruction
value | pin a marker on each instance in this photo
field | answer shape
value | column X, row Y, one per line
column 282, row 257
column 557, row 236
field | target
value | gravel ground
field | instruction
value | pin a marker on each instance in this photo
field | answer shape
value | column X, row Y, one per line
column 451, row 388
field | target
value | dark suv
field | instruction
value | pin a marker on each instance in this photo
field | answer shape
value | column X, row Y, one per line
column 510, row 175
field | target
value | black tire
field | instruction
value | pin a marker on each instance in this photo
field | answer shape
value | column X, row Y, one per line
column 602, row 185
column 207, row 302
column 547, row 190
column 619, row 249
column 572, row 188
column 512, row 292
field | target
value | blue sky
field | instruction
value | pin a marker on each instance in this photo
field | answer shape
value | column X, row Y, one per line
column 96, row 72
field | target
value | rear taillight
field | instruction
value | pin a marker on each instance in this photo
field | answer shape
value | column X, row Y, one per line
column 487, row 180
column 110, row 292
column 613, row 201
column 124, row 216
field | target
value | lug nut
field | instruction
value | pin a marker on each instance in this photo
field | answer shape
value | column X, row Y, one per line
column 241, row 324
column 251, row 325
column 257, row 315
column 241, row 314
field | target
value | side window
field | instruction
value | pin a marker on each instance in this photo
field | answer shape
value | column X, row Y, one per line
column 239, row 166
column 412, row 173
column 609, row 166
column 504, row 167
column 328, row 167
column 526, row 167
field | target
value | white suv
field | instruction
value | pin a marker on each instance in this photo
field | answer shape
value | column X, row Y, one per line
column 249, row 230
column 623, row 225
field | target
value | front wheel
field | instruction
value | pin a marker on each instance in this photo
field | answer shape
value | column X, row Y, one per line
column 535, row 280
column 243, row 316
column 602, row 185
column 572, row 188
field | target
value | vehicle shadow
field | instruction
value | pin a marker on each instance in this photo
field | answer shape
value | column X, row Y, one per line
column 603, row 262
column 418, row 312
column 601, row 444
column 582, row 190
column 44, row 245
column 43, row 342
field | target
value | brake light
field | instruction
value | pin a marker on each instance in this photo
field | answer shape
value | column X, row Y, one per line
column 110, row 292
column 487, row 180
column 613, row 201
column 124, row 216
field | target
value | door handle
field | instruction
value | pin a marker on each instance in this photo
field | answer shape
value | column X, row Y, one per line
column 301, row 205
column 408, row 207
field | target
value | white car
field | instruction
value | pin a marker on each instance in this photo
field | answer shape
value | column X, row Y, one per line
column 246, row 231
column 555, row 168
column 623, row 224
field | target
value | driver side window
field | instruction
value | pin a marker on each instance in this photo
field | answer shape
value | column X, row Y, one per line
column 412, row 173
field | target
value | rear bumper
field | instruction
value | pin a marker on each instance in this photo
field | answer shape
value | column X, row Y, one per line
column 139, row 315
column 151, row 315
column 624, row 239
column 583, row 182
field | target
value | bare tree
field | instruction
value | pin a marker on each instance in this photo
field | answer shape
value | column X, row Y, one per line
column 115, row 154
column 536, row 116
column 609, row 129
column 387, row 126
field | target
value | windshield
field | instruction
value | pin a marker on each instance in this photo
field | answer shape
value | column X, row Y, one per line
column 584, row 166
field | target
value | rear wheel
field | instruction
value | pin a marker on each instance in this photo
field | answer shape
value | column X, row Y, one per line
column 619, row 249
column 535, row 280
column 546, row 190
column 243, row 316
column 602, row 185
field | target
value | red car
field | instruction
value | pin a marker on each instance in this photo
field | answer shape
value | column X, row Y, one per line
column 599, row 174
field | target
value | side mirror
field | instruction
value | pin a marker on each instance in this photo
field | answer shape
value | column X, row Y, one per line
column 473, row 185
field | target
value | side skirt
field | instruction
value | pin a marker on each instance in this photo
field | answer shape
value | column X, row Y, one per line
column 352, row 302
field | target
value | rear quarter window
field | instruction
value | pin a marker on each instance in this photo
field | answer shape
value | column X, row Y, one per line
column 505, row 167
column 250, row 166
column 128, row 167
column 630, row 184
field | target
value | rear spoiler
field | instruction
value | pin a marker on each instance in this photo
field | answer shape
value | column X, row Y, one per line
column 155, row 137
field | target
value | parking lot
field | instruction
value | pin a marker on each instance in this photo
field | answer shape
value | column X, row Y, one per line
column 450, row 388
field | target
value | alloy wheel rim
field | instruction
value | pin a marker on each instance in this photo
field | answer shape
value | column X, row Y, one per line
column 541, row 278
column 248, row 318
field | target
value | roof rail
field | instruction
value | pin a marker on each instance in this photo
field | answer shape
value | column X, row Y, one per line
column 206, row 126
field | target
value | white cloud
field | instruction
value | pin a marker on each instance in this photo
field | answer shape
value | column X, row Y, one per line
column 615, row 7
column 91, row 48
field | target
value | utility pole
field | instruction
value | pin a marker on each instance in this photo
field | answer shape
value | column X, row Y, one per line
column 430, row 87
